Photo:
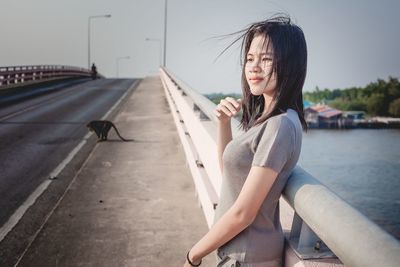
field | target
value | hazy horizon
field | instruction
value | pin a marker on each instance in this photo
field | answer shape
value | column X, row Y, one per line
column 350, row 43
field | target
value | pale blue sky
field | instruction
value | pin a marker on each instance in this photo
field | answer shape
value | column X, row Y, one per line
column 350, row 43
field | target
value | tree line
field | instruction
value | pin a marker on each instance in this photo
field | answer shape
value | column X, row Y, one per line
column 380, row 98
column 216, row 97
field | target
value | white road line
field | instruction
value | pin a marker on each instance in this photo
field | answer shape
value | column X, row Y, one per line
column 17, row 215
column 47, row 217
column 119, row 100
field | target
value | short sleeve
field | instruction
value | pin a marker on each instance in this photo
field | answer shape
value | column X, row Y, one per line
column 274, row 144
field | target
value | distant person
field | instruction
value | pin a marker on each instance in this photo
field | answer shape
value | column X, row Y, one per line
column 94, row 72
column 256, row 164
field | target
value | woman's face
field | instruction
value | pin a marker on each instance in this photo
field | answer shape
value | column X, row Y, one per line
column 258, row 69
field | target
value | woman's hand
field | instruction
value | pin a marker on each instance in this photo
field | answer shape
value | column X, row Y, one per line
column 186, row 264
column 227, row 108
column 195, row 262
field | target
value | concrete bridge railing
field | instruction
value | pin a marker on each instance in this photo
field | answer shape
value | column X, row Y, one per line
column 322, row 222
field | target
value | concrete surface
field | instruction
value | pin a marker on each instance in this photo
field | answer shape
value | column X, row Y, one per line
column 132, row 203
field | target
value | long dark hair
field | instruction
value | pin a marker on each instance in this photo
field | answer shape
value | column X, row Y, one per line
column 289, row 63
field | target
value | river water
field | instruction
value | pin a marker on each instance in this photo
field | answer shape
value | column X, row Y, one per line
column 362, row 166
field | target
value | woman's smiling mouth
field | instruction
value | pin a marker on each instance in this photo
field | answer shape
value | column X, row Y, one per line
column 256, row 79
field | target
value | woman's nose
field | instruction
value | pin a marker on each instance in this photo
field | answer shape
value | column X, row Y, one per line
column 255, row 68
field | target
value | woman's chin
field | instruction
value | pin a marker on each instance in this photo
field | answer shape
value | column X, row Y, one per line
column 256, row 92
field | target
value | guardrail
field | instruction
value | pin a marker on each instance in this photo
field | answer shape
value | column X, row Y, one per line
column 22, row 75
column 321, row 218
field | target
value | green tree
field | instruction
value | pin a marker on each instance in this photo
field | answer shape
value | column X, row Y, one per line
column 394, row 107
column 394, row 87
column 339, row 103
column 358, row 104
column 336, row 93
column 375, row 104
column 375, row 98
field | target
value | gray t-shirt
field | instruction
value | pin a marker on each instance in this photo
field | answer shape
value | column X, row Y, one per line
column 276, row 144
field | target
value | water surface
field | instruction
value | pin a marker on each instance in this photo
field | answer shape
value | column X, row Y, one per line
column 360, row 165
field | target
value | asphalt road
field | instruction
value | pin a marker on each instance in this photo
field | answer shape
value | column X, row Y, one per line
column 37, row 134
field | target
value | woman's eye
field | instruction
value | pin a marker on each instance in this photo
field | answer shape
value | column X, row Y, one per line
column 266, row 59
column 249, row 59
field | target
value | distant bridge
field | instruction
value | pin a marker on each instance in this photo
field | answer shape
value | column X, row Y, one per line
column 14, row 76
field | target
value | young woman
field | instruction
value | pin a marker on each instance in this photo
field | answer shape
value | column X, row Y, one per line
column 257, row 164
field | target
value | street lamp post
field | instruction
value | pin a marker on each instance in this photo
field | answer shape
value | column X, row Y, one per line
column 117, row 63
column 89, row 19
column 165, row 31
column 160, row 46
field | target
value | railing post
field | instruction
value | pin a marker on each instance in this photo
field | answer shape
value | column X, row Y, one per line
column 305, row 243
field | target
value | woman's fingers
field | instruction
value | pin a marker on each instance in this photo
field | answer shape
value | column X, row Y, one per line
column 231, row 105
column 217, row 113
column 228, row 107
column 224, row 109
column 235, row 103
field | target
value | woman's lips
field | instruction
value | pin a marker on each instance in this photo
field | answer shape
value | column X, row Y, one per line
column 256, row 79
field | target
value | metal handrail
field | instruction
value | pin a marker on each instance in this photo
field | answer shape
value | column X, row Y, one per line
column 12, row 76
column 205, row 105
column 355, row 239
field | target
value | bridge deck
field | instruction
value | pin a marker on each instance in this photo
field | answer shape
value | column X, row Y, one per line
column 131, row 204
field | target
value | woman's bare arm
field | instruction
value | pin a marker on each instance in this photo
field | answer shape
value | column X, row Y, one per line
column 243, row 212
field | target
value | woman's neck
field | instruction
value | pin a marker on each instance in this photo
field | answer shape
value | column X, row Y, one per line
column 268, row 104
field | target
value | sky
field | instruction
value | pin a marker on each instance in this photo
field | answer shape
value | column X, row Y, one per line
column 350, row 42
